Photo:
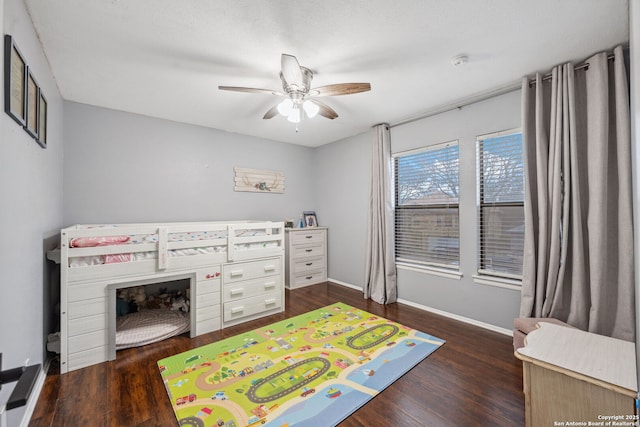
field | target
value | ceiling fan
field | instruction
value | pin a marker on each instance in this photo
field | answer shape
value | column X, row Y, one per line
column 300, row 98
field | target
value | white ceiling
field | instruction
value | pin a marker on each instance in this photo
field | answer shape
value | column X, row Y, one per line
column 166, row 58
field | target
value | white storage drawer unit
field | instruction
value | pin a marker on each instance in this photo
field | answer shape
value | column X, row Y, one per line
column 208, row 300
column 306, row 256
column 252, row 289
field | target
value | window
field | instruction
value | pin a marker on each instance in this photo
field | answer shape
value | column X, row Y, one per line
column 501, row 204
column 426, row 213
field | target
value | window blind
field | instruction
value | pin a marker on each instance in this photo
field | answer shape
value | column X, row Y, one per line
column 426, row 213
column 501, row 204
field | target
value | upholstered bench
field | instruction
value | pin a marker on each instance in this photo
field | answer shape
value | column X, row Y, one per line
column 523, row 325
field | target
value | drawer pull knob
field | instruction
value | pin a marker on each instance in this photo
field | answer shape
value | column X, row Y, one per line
column 309, row 237
column 237, row 291
column 309, row 264
column 235, row 310
column 308, row 250
column 236, row 273
column 270, row 301
column 269, row 267
column 309, row 277
column 270, row 285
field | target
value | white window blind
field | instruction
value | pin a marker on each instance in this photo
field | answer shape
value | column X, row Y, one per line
column 501, row 204
column 426, row 213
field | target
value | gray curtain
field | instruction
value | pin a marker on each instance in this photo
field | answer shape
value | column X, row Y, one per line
column 578, row 264
column 380, row 280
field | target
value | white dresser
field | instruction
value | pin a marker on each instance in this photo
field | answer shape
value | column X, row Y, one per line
column 306, row 256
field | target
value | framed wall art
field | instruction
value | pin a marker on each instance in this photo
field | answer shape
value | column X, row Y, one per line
column 15, row 82
column 42, row 120
column 33, row 102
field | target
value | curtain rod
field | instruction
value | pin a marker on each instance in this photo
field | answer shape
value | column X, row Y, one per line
column 512, row 87
column 583, row 66
column 478, row 98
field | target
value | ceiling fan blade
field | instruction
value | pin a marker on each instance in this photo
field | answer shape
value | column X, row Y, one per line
column 251, row 90
column 340, row 89
column 273, row 111
column 291, row 71
column 325, row 110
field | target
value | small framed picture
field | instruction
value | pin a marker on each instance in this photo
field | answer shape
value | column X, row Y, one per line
column 33, row 102
column 15, row 82
column 310, row 219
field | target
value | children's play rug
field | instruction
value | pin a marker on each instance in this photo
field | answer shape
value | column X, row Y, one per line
column 310, row 370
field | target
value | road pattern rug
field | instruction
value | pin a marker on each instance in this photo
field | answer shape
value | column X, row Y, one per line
column 310, row 370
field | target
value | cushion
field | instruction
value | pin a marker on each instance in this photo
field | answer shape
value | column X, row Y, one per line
column 523, row 325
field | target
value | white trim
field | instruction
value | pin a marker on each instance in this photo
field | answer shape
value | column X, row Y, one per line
column 498, row 133
column 459, row 318
column 440, row 145
column 498, row 282
column 473, row 322
column 35, row 394
column 449, row 274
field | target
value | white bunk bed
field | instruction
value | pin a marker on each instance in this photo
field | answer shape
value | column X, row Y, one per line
column 235, row 271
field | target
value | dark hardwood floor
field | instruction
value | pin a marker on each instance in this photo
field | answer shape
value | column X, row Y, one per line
column 472, row 380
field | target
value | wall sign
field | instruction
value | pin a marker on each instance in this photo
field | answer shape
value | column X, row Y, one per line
column 258, row 181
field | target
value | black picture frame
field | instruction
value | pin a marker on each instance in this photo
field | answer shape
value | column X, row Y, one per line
column 310, row 219
column 42, row 120
column 15, row 82
column 32, row 101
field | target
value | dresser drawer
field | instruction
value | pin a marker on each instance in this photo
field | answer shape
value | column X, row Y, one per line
column 309, row 278
column 248, row 288
column 208, row 300
column 208, row 274
column 251, row 270
column 307, row 251
column 207, row 286
column 208, row 325
column 253, row 305
column 207, row 313
column 308, row 237
column 309, row 264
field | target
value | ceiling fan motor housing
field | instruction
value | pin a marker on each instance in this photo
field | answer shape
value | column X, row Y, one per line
column 303, row 89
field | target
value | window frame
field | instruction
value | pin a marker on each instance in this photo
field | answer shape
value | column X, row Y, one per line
column 486, row 276
column 440, row 269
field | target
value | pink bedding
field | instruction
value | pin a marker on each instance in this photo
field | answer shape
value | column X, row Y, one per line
column 90, row 242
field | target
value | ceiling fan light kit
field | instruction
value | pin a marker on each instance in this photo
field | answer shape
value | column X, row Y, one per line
column 299, row 97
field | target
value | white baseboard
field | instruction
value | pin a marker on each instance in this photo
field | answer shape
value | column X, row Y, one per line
column 468, row 320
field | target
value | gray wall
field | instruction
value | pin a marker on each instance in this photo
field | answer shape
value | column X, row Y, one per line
column 122, row 167
column 343, row 196
column 343, row 171
column 30, row 212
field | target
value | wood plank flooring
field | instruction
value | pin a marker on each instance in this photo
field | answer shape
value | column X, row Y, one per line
column 473, row 380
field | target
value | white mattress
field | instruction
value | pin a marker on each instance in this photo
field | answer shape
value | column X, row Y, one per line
column 148, row 326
